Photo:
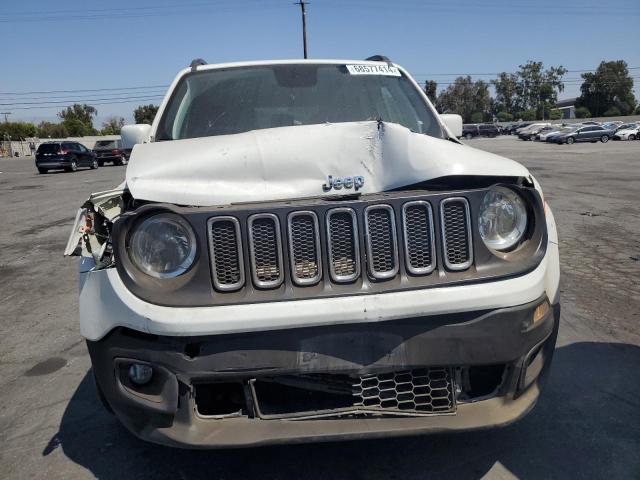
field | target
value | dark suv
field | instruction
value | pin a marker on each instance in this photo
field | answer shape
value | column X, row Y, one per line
column 110, row 151
column 64, row 155
column 483, row 130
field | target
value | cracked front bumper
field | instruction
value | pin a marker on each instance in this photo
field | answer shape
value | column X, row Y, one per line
column 168, row 414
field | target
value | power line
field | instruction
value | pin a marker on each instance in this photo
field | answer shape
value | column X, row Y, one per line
column 85, row 90
column 133, row 100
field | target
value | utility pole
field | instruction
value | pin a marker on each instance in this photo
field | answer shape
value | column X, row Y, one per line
column 6, row 116
column 302, row 4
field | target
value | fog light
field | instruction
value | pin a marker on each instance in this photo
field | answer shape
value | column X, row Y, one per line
column 541, row 311
column 140, row 374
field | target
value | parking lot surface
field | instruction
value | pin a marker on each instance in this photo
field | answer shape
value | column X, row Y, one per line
column 587, row 424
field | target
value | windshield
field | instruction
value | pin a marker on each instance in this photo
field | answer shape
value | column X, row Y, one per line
column 236, row 100
column 105, row 144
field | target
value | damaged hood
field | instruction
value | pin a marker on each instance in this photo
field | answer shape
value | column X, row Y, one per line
column 293, row 162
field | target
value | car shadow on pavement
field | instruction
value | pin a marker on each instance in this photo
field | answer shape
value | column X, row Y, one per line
column 586, row 425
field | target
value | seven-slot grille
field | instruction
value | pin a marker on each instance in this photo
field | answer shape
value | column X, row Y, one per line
column 384, row 228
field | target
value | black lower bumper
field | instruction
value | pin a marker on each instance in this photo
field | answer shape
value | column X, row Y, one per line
column 468, row 345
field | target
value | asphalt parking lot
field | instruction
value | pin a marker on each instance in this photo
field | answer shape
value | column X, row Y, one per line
column 587, row 424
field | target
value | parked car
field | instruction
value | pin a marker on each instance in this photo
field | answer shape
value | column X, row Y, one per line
column 110, row 151
column 482, row 130
column 68, row 156
column 586, row 133
column 514, row 127
column 551, row 136
column 267, row 276
column 548, row 131
column 527, row 132
column 611, row 125
column 626, row 126
column 631, row 133
column 590, row 122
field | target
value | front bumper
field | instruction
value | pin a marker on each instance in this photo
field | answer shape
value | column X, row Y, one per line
column 168, row 412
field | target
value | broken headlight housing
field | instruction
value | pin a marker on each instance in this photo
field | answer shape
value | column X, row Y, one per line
column 162, row 246
column 503, row 218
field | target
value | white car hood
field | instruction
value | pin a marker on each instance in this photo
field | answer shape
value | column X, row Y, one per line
column 293, row 162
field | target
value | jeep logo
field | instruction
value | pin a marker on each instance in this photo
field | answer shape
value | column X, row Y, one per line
column 337, row 183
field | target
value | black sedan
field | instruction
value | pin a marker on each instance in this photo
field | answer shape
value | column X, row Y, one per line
column 68, row 156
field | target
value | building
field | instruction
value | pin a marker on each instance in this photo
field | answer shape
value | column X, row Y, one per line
column 567, row 107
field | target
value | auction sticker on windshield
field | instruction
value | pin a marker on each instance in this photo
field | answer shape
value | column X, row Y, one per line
column 373, row 70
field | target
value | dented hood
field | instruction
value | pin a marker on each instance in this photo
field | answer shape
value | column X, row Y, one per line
column 293, row 162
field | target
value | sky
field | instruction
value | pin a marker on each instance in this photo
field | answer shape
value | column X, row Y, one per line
column 120, row 54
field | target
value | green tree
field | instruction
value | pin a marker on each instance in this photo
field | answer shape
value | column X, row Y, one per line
column 78, row 120
column 506, row 97
column 555, row 114
column 477, row 117
column 145, row 113
column 51, row 130
column 538, row 88
column 17, row 130
column 638, row 110
column 505, row 116
column 609, row 86
column 112, row 126
column 465, row 97
column 430, row 87
column 583, row 112
column 612, row 112
column 527, row 115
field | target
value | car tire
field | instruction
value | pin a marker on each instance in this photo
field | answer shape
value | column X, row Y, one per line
column 100, row 164
column 42, row 170
column 570, row 141
column 73, row 167
column 468, row 136
column 604, row 138
column 632, row 137
column 94, row 164
column 123, row 161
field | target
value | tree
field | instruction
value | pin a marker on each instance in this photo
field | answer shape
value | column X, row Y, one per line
column 78, row 119
column 610, row 85
column 527, row 115
column 612, row 112
column 112, row 126
column 477, row 117
column 505, row 117
column 506, row 88
column 145, row 113
column 52, row 130
column 430, row 87
column 465, row 97
column 638, row 110
column 17, row 130
column 537, row 89
column 555, row 114
column 583, row 112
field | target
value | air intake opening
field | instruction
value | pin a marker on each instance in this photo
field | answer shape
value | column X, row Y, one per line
column 481, row 381
column 220, row 399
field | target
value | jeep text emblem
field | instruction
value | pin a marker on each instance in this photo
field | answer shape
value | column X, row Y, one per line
column 337, row 183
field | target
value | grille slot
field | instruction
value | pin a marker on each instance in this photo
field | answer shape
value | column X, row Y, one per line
column 419, row 238
column 381, row 241
column 304, row 247
column 456, row 233
column 426, row 390
column 265, row 246
column 227, row 263
column 344, row 249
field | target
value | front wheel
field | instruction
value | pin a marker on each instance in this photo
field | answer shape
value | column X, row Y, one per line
column 604, row 138
column 632, row 137
column 123, row 161
column 570, row 141
column 42, row 170
column 94, row 165
column 468, row 136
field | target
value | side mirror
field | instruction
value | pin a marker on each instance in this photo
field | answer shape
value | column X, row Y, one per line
column 453, row 123
column 133, row 134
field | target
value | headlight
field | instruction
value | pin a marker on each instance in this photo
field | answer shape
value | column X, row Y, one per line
column 163, row 246
column 503, row 218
